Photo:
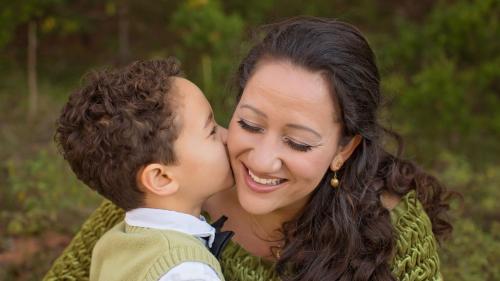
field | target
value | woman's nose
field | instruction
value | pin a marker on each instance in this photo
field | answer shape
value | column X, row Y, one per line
column 264, row 158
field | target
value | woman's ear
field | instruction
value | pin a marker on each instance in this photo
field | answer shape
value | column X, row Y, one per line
column 345, row 152
column 157, row 179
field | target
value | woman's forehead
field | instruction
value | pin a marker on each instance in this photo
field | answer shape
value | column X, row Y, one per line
column 283, row 86
column 289, row 79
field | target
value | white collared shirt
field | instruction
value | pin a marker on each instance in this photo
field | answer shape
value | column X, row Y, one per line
column 171, row 220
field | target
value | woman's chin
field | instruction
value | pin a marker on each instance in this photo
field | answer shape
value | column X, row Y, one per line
column 253, row 203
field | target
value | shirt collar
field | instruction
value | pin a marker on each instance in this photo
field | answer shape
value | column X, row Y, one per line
column 172, row 220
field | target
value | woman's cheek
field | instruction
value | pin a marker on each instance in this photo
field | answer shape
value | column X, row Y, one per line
column 235, row 138
column 311, row 168
column 239, row 142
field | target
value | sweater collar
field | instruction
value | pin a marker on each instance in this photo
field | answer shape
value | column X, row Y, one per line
column 172, row 220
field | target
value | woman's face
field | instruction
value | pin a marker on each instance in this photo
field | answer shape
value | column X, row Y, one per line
column 282, row 137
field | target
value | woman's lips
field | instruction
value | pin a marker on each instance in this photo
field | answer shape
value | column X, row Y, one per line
column 258, row 187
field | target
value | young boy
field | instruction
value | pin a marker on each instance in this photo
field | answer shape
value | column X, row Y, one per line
column 146, row 139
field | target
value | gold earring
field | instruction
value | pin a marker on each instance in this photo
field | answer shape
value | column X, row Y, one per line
column 334, row 182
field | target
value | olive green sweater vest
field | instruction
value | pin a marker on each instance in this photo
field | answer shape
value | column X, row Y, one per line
column 415, row 257
column 136, row 253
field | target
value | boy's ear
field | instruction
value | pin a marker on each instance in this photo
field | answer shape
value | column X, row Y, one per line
column 157, row 179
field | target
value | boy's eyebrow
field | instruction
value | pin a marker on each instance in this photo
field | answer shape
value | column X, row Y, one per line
column 209, row 119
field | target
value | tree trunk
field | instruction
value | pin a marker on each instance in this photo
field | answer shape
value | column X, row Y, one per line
column 31, row 66
column 206, row 72
column 123, row 33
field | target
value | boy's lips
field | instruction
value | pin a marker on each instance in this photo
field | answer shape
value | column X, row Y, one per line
column 260, row 184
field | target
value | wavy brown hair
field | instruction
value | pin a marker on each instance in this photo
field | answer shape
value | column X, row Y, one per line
column 346, row 233
column 117, row 122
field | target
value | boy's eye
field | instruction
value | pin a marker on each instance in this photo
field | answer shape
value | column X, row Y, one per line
column 298, row 146
column 247, row 127
column 214, row 130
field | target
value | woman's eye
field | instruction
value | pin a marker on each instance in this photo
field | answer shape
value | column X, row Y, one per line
column 245, row 126
column 298, row 146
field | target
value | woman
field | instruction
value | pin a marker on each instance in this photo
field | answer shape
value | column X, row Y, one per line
column 317, row 197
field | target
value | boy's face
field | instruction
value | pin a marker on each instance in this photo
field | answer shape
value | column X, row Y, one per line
column 203, row 166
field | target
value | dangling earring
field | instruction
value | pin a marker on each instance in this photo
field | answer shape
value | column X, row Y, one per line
column 334, row 182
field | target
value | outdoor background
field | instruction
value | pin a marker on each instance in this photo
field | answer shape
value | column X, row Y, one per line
column 440, row 66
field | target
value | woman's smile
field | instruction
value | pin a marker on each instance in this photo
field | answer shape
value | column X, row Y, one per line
column 262, row 184
column 265, row 181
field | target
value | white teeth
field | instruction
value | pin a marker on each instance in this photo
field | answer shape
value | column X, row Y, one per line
column 264, row 181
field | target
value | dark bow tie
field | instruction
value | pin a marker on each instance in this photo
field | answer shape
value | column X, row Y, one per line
column 221, row 237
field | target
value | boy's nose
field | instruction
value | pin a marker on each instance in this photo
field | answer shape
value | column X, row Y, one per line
column 223, row 134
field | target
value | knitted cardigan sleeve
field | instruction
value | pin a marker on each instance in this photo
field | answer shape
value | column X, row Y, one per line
column 74, row 262
column 415, row 258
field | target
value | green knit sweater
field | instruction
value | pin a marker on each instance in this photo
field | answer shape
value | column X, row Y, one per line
column 137, row 253
column 415, row 259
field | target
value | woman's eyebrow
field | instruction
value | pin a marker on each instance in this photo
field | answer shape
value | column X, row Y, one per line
column 301, row 127
column 254, row 109
column 293, row 126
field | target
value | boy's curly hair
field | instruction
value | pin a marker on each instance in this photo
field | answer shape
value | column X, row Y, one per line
column 119, row 121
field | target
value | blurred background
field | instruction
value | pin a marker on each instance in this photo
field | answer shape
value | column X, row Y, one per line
column 440, row 66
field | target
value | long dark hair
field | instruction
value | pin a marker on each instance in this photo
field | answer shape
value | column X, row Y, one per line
column 346, row 233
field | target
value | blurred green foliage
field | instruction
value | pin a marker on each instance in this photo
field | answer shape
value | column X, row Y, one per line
column 34, row 186
column 15, row 13
column 474, row 248
column 440, row 65
column 38, row 190
column 205, row 35
column 445, row 73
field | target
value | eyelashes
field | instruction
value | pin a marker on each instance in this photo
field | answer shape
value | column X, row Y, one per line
column 214, row 131
column 245, row 126
column 298, row 146
column 292, row 144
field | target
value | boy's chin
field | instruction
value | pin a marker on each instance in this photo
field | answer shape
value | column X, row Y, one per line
column 231, row 183
column 226, row 187
column 228, row 182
